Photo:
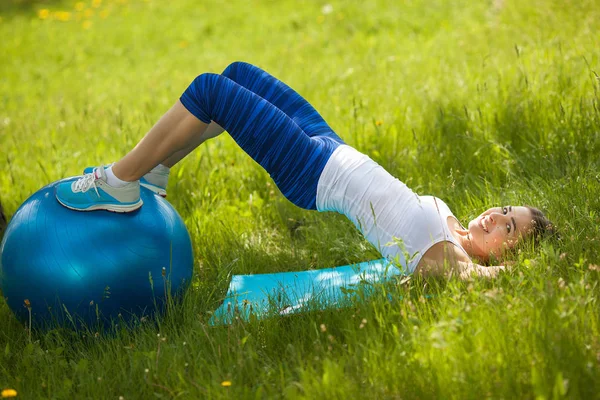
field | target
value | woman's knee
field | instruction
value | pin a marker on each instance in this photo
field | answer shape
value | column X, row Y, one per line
column 233, row 68
column 204, row 81
column 197, row 97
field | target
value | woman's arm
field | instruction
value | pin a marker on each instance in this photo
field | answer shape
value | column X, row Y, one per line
column 447, row 261
column 462, row 269
column 469, row 270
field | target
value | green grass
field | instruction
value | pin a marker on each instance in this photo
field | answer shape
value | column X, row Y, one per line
column 477, row 102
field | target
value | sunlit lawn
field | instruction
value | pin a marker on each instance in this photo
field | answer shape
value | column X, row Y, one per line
column 480, row 103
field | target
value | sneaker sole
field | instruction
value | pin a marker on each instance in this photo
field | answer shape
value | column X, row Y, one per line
column 158, row 191
column 106, row 207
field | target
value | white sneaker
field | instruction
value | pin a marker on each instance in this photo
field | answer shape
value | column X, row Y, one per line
column 77, row 195
column 155, row 180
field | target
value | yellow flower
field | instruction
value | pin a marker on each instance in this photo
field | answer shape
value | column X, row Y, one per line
column 378, row 123
column 87, row 24
column 88, row 13
column 104, row 13
column 226, row 383
column 9, row 393
column 183, row 44
column 79, row 6
column 43, row 13
column 62, row 15
column 96, row 3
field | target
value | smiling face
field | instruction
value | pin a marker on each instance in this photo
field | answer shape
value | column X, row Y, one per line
column 498, row 229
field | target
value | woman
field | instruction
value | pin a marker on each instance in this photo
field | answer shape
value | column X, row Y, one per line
column 313, row 168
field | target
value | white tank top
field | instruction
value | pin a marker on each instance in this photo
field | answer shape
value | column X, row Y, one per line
column 393, row 218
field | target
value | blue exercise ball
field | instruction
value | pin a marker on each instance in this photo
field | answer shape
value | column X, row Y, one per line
column 66, row 267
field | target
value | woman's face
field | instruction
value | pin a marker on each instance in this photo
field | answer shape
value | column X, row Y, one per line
column 498, row 229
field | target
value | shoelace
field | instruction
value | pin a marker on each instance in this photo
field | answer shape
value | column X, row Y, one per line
column 84, row 183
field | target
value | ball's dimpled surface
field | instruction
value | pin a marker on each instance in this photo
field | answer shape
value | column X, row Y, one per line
column 92, row 263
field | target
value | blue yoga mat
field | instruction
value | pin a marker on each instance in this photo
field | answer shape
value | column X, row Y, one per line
column 284, row 293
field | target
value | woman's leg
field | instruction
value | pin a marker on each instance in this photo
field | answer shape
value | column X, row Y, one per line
column 172, row 133
column 118, row 187
column 274, row 91
column 293, row 159
column 281, row 96
column 213, row 130
column 266, row 133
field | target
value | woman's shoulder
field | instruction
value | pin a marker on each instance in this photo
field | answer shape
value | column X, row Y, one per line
column 440, row 256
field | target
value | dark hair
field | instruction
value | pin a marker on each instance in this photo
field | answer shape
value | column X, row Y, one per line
column 3, row 222
column 541, row 227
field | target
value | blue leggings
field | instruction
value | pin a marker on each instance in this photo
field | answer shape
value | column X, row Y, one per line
column 276, row 126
